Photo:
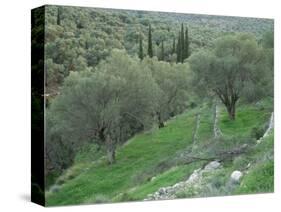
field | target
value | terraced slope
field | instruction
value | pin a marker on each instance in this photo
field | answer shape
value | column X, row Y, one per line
column 153, row 159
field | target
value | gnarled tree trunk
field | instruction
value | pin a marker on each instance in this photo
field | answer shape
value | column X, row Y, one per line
column 160, row 121
column 229, row 98
column 110, row 146
column 231, row 110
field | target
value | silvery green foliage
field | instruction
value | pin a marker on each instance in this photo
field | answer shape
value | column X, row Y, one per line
column 227, row 69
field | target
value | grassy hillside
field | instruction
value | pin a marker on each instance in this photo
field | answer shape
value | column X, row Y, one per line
column 152, row 160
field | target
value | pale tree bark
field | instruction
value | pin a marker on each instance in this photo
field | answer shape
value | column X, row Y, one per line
column 229, row 97
column 111, row 147
column 216, row 129
column 195, row 132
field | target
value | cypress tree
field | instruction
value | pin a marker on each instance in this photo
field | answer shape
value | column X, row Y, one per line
column 179, row 53
column 186, row 45
column 162, row 56
column 149, row 50
column 174, row 46
column 140, row 48
column 182, row 43
column 59, row 16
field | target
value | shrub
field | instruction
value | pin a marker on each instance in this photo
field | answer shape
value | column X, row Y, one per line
column 257, row 132
column 89, row 152
column 123, row 197
column 101, row 199
column 241, row 162
column 187, row 193
column 258, row 180
column 70, row 173
column 146, row 175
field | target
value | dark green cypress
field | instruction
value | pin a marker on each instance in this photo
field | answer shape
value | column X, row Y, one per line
column 182, row 43
column 140, row 48
column 59, row 16
column 179, row 49
column 186, row 45
column 150, row 50
column 162, row 56
column 174, row 46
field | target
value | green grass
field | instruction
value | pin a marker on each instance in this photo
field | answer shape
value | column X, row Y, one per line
column 142, row 154
column 205, row 130
column 247, row 118
column 260, row 178
column 165, row 179
column 212, row 184
column 148, row 155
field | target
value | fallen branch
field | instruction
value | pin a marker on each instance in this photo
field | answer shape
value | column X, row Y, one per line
column 220, row 156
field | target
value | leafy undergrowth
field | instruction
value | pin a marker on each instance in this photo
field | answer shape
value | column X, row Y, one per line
column 256, row 165
column 247, row 118
column 167, row 178
column 147, row 161
column 260, row 178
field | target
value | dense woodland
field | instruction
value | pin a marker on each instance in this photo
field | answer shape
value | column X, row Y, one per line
column 112, row 74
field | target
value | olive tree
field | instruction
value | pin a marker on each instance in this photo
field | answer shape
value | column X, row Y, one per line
column 106, row 105
column 173, row 81
column 227, row 69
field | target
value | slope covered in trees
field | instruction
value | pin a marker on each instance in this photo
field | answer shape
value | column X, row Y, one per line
column 131, row 94
column 79, row 38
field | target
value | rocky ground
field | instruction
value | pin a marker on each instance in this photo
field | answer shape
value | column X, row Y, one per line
column 194, row 180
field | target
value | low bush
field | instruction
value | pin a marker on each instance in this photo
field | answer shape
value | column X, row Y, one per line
column 257, row 132
column 259, row 180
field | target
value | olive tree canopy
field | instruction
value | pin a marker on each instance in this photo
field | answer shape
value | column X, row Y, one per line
column 234, row 61
column 107, row 105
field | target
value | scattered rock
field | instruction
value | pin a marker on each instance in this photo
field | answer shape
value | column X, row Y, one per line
column 194, row 176
column 169, row 192
column 236, row 176
column 178, row 185
column 169, row 189
column 212, row 165
column 153, row 178
column 162, row 191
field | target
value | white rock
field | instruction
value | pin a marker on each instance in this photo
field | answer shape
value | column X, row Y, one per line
column 169, row 189
column 212, row 165
column 162, row 191
column 236, row 176
column 193, row 177
column 176, row 185
column 153, row 178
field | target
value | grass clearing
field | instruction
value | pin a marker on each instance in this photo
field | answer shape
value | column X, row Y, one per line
column 247, row 118
column 148, row 155
column 143, row 153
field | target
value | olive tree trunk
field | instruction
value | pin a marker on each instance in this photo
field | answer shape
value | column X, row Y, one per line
column 229, row 99
column 231, row 110
column 110, row 147
column 160, row 121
